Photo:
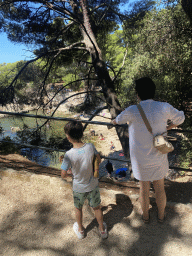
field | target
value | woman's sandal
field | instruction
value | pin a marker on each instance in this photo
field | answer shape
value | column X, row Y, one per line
column 161, row 220
column 146, row 221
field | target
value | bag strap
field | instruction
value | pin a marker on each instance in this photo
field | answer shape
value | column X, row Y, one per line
column 144, row 118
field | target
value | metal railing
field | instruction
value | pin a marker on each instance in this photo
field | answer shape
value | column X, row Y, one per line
column 80, row 120
column 83, row 121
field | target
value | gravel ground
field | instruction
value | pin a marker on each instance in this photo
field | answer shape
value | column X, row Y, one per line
column 36, row 218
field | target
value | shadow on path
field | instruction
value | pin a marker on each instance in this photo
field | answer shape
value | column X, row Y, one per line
column 115, row 212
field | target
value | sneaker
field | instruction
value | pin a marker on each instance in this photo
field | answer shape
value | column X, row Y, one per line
column 104, row 234
column 80, row 234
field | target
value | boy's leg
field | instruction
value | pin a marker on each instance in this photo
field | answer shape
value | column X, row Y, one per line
column 99, row 217
column 79, row 199
column 144, row 198
column 94, row 201
column 79, row 217
column 160, row 197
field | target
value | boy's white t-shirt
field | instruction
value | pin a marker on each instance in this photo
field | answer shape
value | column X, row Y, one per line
column 81, row 162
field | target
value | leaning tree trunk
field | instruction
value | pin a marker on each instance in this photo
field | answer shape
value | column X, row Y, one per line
column 187, row 7
column 103, row 75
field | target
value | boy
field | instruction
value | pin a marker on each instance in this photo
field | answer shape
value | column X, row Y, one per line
column 80, row 159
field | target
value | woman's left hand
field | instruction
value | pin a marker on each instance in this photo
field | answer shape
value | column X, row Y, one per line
column 113, row 121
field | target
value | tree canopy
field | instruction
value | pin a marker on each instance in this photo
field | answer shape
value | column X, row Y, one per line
column 67, row 31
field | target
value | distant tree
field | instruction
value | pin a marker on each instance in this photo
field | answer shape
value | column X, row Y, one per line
column 26, row 87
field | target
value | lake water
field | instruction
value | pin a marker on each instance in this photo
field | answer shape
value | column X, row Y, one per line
column 40, row 156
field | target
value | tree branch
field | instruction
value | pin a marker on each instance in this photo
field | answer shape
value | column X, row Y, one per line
column 92, row 116
column 112, row 70
column 62, row 31
column 70, row 47
column 60, row 10
column 46, row 75
column 69, row 98
column 98, row 6
column 39, row 127
column 122, row 64
column 26, row 64
column 104, row 14
column 44, row 54
column 79, row 80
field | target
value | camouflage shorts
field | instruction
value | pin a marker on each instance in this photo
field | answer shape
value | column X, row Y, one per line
column 92, row 196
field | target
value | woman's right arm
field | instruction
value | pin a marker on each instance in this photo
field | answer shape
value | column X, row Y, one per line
column 171, row 126
column 177, row 117
column 123, row 118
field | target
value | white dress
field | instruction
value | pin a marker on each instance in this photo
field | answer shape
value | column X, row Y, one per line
column 148, row 164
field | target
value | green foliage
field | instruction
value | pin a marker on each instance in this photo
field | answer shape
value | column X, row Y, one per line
column 1, row 130
column 7, row 73
column 8, row 148
column 31, row 75
column 115, row 50
column 55, row 142
column 162, row 50
column 185, row 157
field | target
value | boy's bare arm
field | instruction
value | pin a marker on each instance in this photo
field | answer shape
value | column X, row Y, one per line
column 97, row 162
column 99, row 158
column 65, row 174
column 96, row 165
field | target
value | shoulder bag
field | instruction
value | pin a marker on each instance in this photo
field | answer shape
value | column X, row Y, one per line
column 159, row 141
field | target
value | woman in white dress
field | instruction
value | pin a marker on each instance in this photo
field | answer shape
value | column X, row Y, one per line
column 148, row 163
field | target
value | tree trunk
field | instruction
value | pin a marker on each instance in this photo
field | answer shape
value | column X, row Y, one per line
column 187, row 7
column 103, row 75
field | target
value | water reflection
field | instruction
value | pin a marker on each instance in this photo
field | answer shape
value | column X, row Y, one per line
column 53, row 130
column 37, row 155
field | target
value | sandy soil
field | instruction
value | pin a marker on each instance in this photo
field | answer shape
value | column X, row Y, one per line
column 36, row 213
column 36, row 217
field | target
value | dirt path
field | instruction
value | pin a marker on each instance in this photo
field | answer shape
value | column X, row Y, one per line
column 36, row 218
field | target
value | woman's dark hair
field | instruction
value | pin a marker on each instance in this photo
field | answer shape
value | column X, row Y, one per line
column 74, row 129
column 145, row 88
